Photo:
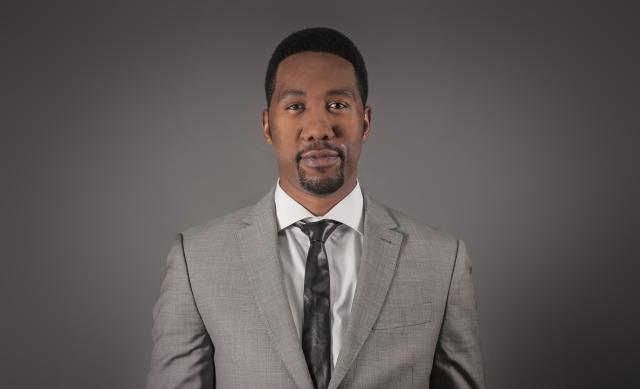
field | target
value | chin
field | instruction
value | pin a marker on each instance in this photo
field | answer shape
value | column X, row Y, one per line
column 321, row 186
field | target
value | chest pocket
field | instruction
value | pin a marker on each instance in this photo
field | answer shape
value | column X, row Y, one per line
column 404, row 316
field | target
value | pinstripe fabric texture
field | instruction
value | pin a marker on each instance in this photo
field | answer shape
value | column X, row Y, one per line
column 223, row 319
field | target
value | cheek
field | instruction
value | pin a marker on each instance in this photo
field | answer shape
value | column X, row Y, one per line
column 283, row 132
column 281, row 135
column 354, row 152
column 285, row 148
column 357, row 119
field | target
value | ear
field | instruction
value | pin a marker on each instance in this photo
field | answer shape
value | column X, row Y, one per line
column 366, row 128
column 266, row 130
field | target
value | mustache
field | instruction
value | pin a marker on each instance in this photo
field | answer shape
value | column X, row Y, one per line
column 320, row 145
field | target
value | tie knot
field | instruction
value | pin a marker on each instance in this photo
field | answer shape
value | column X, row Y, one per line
column 318, row 231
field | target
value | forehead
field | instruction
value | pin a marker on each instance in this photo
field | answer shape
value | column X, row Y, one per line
column 311, row 71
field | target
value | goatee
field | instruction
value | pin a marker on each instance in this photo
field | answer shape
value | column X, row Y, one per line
column 320, row 186
column 316, row 185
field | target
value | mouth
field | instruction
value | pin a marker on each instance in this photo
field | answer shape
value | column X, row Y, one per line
column 324, row 153
column 321, row 158
column 320, row 161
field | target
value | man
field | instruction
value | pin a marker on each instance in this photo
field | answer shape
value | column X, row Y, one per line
column 316, row 285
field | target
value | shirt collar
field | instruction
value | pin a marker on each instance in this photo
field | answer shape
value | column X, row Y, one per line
column 348, row 211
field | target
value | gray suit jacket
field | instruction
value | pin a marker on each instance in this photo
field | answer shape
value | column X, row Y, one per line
column 223, row 319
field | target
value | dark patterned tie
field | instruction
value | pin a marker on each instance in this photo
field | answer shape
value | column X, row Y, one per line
column 316, row 327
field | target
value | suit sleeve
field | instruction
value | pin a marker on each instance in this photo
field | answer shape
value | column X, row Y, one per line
column 182, row 355
column 457, row 362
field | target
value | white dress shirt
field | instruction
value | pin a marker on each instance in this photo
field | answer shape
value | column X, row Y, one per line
column 343, row 248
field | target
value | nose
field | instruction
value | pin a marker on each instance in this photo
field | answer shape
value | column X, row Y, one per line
column 317, row 126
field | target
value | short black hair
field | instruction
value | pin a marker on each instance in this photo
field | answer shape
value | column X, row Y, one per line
column 318, row 39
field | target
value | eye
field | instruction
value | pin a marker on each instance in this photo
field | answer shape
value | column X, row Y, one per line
column 295, row 107
column 337, row 105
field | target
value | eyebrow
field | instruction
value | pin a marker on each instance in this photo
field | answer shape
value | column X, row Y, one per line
column 344, row 92
column 290, row 92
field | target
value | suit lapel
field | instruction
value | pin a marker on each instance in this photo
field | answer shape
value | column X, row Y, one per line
column 377, row 267
column 258, row 246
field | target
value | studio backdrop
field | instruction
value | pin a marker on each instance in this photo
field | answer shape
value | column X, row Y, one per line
column 512, row 126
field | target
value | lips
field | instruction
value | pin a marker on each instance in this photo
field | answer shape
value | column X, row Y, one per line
column 319, row 154
column 320, row 158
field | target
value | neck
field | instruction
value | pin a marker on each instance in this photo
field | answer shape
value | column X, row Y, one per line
column 316, row 204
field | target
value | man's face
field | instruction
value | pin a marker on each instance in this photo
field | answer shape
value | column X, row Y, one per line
column 316, row 122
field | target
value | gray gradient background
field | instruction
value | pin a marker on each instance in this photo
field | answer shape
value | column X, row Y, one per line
column 511, row 126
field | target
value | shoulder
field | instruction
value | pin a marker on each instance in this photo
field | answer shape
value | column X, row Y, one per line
column 216, row 230
column 421, row 237
column 405, row 224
